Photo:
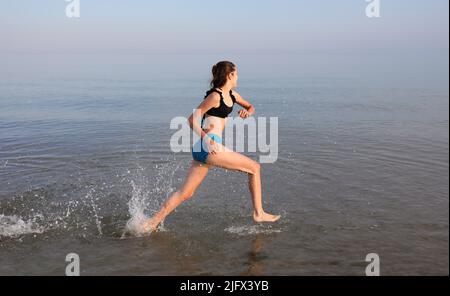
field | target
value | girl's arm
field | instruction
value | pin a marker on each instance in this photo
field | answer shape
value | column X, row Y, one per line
column 212, row 101
column 248, row 110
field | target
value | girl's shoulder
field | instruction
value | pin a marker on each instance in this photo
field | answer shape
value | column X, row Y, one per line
column 211, row 91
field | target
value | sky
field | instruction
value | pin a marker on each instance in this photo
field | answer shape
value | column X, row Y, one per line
column 232, row 26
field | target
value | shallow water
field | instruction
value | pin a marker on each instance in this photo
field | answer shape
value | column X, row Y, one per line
column 363, row 167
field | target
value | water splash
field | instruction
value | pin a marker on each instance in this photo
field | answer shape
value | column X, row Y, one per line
column 95, row 211
column 136, row 207
column 147, row 196
column 14, row 226
column 86, row 206
column 41, row 209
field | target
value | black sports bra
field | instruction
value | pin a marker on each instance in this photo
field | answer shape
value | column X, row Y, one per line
column 223, row 110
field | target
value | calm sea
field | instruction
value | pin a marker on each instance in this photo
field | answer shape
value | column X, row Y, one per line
column 363, row 166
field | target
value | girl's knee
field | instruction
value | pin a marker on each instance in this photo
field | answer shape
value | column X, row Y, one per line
column 255, row 168
column 185, row 194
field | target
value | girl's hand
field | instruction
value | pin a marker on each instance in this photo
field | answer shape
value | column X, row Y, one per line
column 243, row 113
column 212, row 146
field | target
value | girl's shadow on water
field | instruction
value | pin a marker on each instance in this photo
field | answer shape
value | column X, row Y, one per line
column 255, row 257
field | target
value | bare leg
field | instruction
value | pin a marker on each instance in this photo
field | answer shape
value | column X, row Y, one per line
column 235, row 161
column 197, row 173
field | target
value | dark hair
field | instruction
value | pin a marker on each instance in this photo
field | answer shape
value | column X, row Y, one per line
column 220, row 73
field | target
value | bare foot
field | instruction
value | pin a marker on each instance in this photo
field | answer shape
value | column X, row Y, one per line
column 264, row 217
column 149, row 226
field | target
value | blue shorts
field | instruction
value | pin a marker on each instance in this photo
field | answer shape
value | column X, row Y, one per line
column 198, row 151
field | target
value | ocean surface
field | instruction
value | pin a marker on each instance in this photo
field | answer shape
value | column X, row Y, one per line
column 363, row 166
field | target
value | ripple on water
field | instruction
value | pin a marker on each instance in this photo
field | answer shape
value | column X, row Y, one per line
column 251, row 229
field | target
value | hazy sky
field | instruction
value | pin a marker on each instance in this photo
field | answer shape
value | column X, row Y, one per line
column 232, row 26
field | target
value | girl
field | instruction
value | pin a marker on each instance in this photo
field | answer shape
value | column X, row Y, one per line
column 209, row 151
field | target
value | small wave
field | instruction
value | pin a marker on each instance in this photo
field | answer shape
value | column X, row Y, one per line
column 14, row 226
column 251, row 229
